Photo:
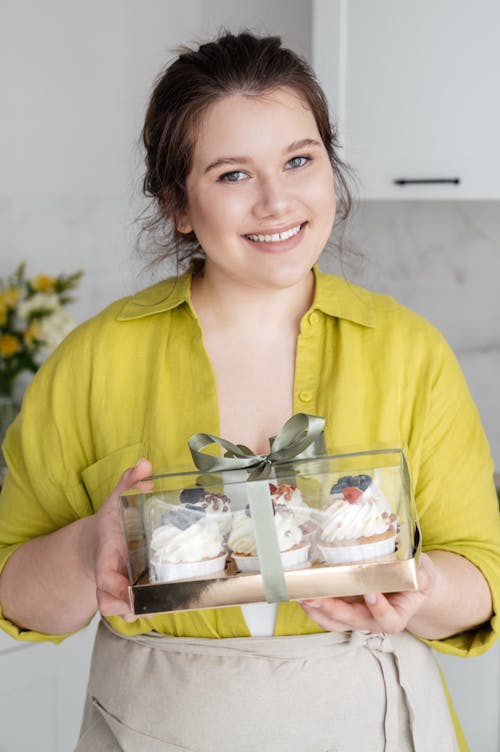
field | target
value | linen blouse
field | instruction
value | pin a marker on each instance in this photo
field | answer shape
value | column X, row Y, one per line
column 135, row 381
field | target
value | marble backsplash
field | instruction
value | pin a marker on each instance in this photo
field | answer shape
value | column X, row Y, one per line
column 442, row 259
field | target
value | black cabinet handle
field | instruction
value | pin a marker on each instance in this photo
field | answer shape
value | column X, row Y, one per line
column 426, row 181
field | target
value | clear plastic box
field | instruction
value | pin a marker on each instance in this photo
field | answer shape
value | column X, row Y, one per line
column 342, row 524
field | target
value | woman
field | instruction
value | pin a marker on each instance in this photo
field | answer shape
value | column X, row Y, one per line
column 242, row 166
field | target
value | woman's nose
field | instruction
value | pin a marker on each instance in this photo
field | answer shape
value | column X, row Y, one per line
column 272, row 198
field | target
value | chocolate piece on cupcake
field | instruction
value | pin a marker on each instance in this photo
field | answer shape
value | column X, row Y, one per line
column 216, row 505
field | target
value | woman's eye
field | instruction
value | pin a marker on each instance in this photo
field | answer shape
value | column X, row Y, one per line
column 232, row 177
column 297, row 162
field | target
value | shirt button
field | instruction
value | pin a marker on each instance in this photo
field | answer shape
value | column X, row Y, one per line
column 313, row 317
column 305, row 395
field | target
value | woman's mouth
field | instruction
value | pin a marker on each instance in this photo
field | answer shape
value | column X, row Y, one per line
column 275, row 237
column 280, row 240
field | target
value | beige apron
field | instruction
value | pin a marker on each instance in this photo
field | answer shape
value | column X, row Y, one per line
column 331, row 692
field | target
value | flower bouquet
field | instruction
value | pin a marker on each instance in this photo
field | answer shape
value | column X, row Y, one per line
column 32, row 323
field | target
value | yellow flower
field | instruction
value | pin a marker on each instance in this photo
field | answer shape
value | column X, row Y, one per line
column 42, row 283
column 32, row 333
column 3, row 312
column 9, row 345
column 11, row 296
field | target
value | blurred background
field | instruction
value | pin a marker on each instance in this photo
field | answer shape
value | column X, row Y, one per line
column 413, row 88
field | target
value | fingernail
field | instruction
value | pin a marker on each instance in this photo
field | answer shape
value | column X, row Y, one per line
column 313, row 604
column 370, row 598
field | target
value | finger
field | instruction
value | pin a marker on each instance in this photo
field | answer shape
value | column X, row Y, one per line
column 354, row 615
column 331, row 625
column 383, row 613
column 113, row 583
column 134, row 477
column 426, row 574
column 111, row 606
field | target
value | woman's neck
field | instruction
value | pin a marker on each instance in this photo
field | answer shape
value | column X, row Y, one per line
column 226, row 304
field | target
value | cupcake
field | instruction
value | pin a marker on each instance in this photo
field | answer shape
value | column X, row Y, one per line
column 358, row 523
column 293, row 548
column 288, row 494
column 187, row 545
column 216, row 505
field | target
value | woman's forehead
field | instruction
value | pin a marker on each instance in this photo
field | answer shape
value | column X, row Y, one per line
column 241, row 119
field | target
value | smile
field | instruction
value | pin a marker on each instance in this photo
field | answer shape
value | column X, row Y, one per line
column 275, row 237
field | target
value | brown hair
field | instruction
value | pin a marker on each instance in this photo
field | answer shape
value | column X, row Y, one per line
column 231, row 64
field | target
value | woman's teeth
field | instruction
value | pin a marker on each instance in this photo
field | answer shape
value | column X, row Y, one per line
column 276, row 236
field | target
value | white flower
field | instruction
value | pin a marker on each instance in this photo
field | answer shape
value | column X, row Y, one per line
column 54, row 328
column 39, row 302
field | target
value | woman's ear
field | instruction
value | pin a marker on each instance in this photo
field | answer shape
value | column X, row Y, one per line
column 182, row 224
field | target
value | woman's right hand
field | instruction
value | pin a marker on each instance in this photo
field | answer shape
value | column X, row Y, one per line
column 109, row 553
column 53, row 583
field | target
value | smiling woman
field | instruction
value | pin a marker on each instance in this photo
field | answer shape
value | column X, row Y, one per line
column 265, row 221
column 170, row 141
column 243, row 173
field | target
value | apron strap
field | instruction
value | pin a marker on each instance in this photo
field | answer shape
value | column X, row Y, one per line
column 383, row 650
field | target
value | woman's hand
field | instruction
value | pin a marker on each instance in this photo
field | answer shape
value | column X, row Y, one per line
column 54, row 583
column 109, row 554
column 388, row 613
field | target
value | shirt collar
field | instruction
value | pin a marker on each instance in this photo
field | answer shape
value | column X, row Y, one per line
column 332, row 295
column 164, row 296
column 342, row 299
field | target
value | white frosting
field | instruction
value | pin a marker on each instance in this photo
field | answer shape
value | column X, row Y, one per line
column 242, row 537
column 287, row 529
column 223, row 519
column 290, row 496
column 368, row 516
column 202, row 540
column 287, row 494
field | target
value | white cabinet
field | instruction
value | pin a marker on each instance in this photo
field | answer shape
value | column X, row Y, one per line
column 42, row 692
column 415, row 88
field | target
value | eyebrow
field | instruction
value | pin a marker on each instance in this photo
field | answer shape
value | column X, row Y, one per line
column 294, row 146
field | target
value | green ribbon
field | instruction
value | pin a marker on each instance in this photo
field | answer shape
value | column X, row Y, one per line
column 301, row 437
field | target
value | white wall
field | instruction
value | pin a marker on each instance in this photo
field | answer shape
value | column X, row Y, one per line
column 75, row 78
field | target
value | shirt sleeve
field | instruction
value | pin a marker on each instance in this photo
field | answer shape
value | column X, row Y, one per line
column 454, row 487
column 45, row 449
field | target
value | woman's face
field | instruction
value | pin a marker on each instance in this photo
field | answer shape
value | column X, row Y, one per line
column 260, row 193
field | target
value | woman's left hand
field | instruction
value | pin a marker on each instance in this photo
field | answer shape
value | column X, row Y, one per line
column 374, row 612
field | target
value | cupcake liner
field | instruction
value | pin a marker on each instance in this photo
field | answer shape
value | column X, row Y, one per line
column 354, row 553
column 291, row 559
column 161, row 571
column 295, row 557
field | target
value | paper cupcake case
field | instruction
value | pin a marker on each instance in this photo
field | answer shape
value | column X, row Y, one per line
column 291, row 559
column 165, row 571
column 357, row 552
column 196, row 513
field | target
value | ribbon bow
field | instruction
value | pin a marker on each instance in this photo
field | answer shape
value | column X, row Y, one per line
column 300, row 437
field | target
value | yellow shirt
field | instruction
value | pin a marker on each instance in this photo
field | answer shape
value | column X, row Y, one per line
column 136, row 381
